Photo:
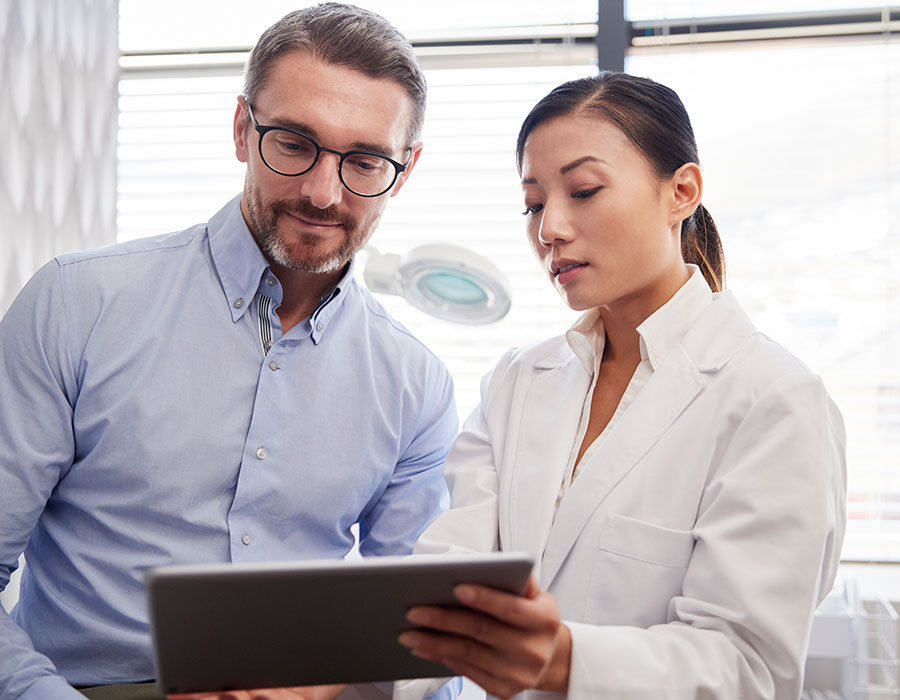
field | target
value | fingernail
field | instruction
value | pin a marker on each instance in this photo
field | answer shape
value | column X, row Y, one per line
column 465, row 594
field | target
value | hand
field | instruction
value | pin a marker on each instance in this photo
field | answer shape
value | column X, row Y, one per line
column 504, row 642
column 307, row 692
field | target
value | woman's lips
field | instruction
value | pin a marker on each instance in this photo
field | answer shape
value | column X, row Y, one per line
column 566, row 270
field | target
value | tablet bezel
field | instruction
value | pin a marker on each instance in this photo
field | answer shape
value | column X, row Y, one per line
column 232, row 626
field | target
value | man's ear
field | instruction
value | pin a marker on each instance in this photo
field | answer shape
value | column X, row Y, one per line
column 241, row 144
column 415, row 152
column 687, row 190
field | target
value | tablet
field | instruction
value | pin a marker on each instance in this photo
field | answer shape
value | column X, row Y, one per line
column 232, row 626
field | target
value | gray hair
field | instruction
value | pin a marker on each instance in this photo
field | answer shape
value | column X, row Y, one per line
column 343, row 35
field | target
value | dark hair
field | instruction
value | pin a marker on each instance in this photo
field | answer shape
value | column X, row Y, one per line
column 654, row 119
column 342, row 35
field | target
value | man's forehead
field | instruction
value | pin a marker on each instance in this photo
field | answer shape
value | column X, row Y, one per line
column 336, row 101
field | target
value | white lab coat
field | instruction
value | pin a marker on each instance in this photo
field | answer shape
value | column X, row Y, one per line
column 691, row 550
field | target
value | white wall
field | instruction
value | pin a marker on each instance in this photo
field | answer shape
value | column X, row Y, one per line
column 59, row 71
column 59, row 65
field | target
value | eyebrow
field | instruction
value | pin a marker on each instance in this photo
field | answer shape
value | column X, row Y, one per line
column 568, row 167
column 307, row 130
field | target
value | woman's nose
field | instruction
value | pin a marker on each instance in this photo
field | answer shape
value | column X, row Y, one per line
column 554, row 227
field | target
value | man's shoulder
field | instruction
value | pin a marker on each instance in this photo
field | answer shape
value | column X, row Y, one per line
column 388, row 333
column 145, row 248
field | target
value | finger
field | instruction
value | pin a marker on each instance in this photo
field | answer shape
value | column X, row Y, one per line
column 485, row 666
column 320, row 692
column 309, row 692
column 468, row 623
column 454, row 651
column 535, row 612
column 275, row 694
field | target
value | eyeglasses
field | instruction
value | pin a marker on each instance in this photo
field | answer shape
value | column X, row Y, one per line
column 290, row 153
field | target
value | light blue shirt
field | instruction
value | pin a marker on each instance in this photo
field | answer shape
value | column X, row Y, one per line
column 143, row 423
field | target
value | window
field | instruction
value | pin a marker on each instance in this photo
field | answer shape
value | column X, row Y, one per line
column 800, row 145
column 799, row 142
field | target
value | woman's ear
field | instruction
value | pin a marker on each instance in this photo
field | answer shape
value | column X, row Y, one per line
column 687, row 190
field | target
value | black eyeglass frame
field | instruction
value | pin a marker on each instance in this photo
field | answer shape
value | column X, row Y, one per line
column 263, row 130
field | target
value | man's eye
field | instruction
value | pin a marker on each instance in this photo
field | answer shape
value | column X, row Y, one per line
column 291, row 144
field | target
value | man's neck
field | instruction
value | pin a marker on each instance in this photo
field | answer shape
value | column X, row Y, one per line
column 302, row 293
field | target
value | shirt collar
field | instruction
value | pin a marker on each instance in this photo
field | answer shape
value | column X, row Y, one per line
column 331, row 303
column 242, row 267
column 236, row 256
column 660, row 333
column 664, row 329
column 587, row 338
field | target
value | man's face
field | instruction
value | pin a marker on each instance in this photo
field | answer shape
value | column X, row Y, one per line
column 312, row 222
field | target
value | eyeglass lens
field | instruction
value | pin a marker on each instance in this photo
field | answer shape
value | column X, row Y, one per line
column 292, row 154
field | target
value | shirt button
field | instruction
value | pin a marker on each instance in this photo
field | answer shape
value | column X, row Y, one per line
column 238, row 303
column 273, row 365
column 261, row 453
column 245, row 539
column 270, row 281
column 268, row 346
column 320, row 326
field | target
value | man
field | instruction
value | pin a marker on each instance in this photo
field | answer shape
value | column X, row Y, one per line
column 228, row 392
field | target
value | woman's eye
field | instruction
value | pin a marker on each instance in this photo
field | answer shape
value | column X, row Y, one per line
column 585, row 194
column 532, row 209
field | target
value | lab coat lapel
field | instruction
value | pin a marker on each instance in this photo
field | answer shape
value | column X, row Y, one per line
column 667, row 393
column 549, row 425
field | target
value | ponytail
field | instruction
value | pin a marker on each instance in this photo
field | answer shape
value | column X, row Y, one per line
column 701, row 246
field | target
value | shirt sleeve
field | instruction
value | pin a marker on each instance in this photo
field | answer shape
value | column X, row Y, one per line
column 37, row 386
column 768, row 539
column 416, row 491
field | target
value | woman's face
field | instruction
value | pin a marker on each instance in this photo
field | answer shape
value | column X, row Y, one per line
column 605, row 228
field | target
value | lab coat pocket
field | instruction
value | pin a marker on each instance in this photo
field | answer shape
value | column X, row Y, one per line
column 638, row 568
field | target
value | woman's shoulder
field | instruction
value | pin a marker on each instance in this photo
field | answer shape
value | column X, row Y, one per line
column 725, row 339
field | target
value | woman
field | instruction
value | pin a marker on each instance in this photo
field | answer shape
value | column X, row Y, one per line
column 678, row 476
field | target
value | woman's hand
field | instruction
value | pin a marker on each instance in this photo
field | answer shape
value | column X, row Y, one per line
column 504, row 642
column 307, row 692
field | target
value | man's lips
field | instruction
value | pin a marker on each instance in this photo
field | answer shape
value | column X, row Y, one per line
column 306, row 221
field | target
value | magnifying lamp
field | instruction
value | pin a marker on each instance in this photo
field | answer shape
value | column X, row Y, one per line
column 446, row 281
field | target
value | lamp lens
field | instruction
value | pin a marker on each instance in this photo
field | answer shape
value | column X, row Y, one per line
column 450, row 287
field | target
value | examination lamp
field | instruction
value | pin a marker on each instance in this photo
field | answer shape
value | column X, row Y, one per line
column 446, row 281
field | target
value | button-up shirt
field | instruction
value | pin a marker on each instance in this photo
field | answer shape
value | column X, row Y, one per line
column 145, row 420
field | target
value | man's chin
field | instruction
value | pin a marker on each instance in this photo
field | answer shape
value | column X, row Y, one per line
column 320, row 265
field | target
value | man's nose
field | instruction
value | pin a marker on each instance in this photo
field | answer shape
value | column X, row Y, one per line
column 322, row 185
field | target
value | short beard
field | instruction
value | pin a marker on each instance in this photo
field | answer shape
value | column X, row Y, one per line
column 301, row 256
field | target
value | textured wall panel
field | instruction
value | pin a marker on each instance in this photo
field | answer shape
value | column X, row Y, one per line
column 58, row 116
